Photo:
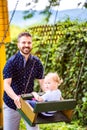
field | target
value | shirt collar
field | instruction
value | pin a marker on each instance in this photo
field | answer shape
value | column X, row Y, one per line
column 23, row 58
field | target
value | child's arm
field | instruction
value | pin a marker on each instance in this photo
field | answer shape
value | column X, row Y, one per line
column 37, row 97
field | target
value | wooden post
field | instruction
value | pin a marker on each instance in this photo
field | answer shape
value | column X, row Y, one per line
column 4, row 37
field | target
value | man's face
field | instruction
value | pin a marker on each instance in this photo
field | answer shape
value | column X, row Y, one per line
column 25, row 45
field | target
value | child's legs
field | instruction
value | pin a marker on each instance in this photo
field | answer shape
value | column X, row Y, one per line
column 32, row 102
column 11, row 118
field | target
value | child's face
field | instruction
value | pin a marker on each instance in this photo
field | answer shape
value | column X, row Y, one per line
column 49, row 84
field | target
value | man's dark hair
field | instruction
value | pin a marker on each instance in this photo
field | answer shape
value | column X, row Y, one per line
column 27, row 34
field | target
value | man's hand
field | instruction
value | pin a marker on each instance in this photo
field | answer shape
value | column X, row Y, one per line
column 17, row 102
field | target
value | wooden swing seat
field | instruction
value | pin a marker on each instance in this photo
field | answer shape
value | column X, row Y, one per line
column 33, row 116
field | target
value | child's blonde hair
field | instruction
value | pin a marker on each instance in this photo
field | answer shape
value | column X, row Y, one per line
column 55, row 77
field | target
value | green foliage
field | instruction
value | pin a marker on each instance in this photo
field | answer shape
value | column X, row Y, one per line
column 22, row 125
column 85, row 4
column 61, row 126
column 46, row 12
column 62, row 48
column 29, row 14
column 11, row 49
column 56, row 126
column 83, row 110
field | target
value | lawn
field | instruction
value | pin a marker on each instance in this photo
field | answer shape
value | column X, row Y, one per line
column 57, row 126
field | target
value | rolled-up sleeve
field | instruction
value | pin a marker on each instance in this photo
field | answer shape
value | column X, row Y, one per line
column 8, row 70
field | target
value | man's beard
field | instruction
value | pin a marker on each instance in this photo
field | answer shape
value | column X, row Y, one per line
column 27, row 51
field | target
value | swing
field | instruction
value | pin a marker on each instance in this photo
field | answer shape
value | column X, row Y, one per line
column 33, row 116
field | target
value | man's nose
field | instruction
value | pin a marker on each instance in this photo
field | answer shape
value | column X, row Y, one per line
column 26, row 44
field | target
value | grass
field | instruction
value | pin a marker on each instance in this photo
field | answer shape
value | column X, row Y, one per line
column 57, row 126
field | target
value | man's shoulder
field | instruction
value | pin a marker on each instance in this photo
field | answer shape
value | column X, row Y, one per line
column 13, row 58
column 35, row 57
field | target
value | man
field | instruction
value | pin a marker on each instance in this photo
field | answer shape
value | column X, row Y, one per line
column 19, row 74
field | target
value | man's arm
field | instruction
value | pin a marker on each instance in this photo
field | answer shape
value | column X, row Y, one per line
column 11, row 93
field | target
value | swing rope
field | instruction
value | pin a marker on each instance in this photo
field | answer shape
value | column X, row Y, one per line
column 53, row 30
column 80, row 74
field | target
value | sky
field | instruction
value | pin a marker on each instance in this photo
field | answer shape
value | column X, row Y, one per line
column 64, row 4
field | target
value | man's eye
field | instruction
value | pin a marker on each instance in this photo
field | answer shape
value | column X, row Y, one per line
column 23, row 42
column 29, row 42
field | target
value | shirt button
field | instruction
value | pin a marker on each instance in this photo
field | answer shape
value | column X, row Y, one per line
column 24, row 77
column 23, row 84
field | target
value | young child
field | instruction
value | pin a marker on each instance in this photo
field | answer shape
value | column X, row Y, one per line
column 52, row 93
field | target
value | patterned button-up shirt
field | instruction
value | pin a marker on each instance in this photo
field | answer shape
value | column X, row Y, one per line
column 21, row 73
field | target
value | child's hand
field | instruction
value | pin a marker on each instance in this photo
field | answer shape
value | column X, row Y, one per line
column 35, row 95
